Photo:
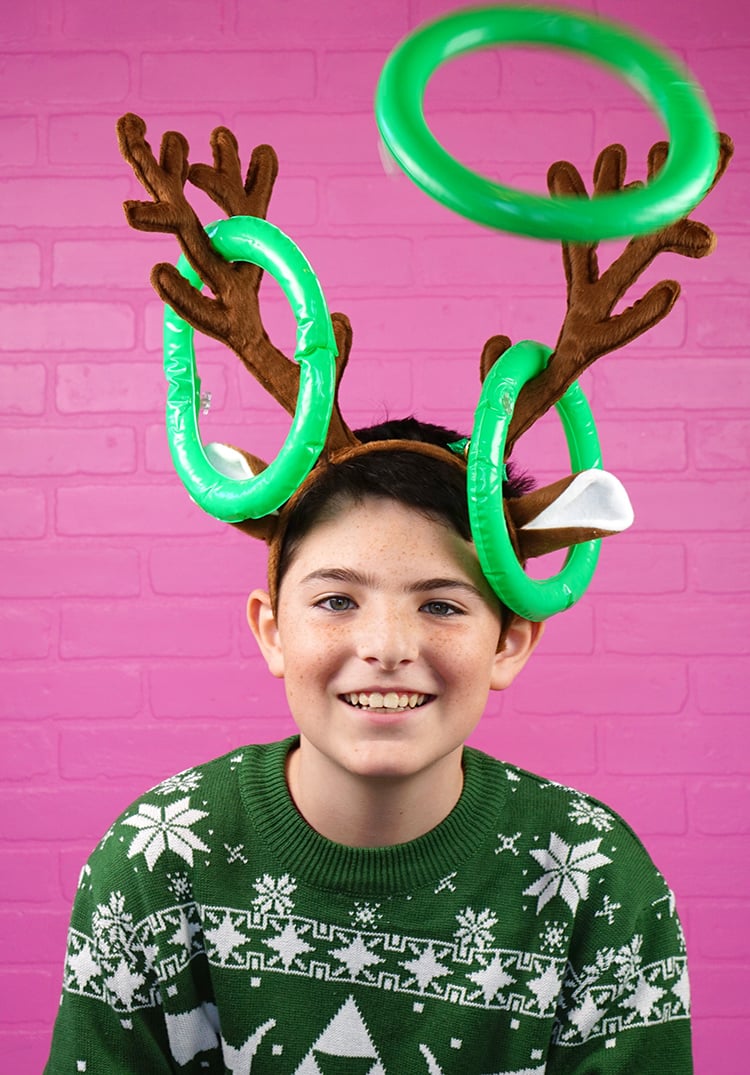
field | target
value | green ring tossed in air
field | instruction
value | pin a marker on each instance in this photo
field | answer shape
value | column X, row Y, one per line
column 252, row 239
column 530, row 598
column 663, row 83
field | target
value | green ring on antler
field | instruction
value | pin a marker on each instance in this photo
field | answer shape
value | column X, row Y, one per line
column 254, row 240
column 534, row 599
column 654, row 75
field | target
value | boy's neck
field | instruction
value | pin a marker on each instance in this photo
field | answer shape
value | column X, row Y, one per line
column 365, row 812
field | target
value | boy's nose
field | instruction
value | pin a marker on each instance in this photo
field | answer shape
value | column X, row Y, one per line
column 389, row 640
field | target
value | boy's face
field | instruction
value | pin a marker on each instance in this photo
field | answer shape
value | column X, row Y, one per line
column 386, row 637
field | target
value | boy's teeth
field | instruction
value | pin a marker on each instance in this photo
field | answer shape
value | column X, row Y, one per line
column 390, row 700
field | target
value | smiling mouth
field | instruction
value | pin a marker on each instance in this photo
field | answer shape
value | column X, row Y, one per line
column 391, row 701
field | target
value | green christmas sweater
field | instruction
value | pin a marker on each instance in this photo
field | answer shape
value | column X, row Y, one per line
column 214, row 931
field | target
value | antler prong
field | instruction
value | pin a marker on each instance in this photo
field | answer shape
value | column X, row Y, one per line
column 233, row 316
column 590, row 328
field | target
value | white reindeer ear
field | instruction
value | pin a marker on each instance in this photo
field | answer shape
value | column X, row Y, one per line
column 594, row 499
column 229, row 461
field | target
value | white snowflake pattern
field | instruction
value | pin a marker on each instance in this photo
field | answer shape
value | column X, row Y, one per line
column 608, row 910
column 566, row 871
column 628, row 959
column 186, row 781
column 508, row 843
column 179, row 885
column 112, row 925
column 585, row 812
column 166, row 827
column 274, row 895
column 553, row 936
column 475, row 928
column 365, row 915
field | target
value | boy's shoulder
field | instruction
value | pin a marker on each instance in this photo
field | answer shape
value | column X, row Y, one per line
column 569, row 815
column 181, row 820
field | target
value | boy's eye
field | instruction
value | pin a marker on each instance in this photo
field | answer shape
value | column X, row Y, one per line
column 336, row 603
column 441, row 608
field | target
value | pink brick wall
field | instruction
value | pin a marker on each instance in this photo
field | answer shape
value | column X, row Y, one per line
column 123, row 652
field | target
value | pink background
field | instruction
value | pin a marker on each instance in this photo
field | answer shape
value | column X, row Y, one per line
column 125, row 656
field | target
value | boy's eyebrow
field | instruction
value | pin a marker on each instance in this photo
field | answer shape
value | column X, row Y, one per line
column 424, row 585
column 357, row 578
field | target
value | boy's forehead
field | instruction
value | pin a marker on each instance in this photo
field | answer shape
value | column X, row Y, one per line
column 376, row 535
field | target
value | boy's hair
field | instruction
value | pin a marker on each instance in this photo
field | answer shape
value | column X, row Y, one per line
column 427, row 483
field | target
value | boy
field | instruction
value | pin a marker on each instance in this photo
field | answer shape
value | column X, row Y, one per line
column 371, row 896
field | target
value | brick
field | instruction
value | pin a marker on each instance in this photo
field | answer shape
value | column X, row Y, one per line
column 722, row 67
column 245, row 75
column 700, row 867
column 140, row 752
column 720, row 1044
column 723, row 323
column 26, row 877
column 63, row 571
column 681, row 627
column 20, row 264
column 111, row 387
column 627, row 566
column 615, row 688
column 27, row 753
column 234, row 569
column 64, row 202
column 578, row 636
column 720, row 806
column 127, row 264
column 66, row 326
column 89, row 138
column 722, row 991
column 22, row 388
column 61, row 813
column 130, row 509
column 144, row 629
column 328, row 139
column 686, row 505
column 674, row 744
column 649, row 805
column 88, row 690
column 21, row 23
column 643, row 447
column 344, row 21
column 19, row 983
column 720, row 566
column 22, row 513
column 62, row 77
column 486, row 261
column 554, row 747
column 348, row 78
column 721, row 685
column 67, row 451
column 87, row 20
column 722, row 445
column 33, row 936
column 672, row 385
column 25, row 632
column 339, row 262
column 18, row 138
column 197, row 691
column 721, row 928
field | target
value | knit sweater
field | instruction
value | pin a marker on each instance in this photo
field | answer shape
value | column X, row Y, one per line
column 215, row 931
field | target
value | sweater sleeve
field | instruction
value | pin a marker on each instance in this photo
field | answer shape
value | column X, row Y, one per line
column 625, row 1001
column 110, row 1019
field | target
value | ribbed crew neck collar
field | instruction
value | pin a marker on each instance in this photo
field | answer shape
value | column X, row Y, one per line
column 401, row 868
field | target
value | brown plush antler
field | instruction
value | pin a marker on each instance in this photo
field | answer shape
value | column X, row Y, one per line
column 590, row 329
column 233, row 316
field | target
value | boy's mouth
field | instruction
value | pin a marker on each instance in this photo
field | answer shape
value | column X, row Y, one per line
column 392, row 701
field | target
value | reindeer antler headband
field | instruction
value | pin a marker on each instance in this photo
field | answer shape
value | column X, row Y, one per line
column 230, row 256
